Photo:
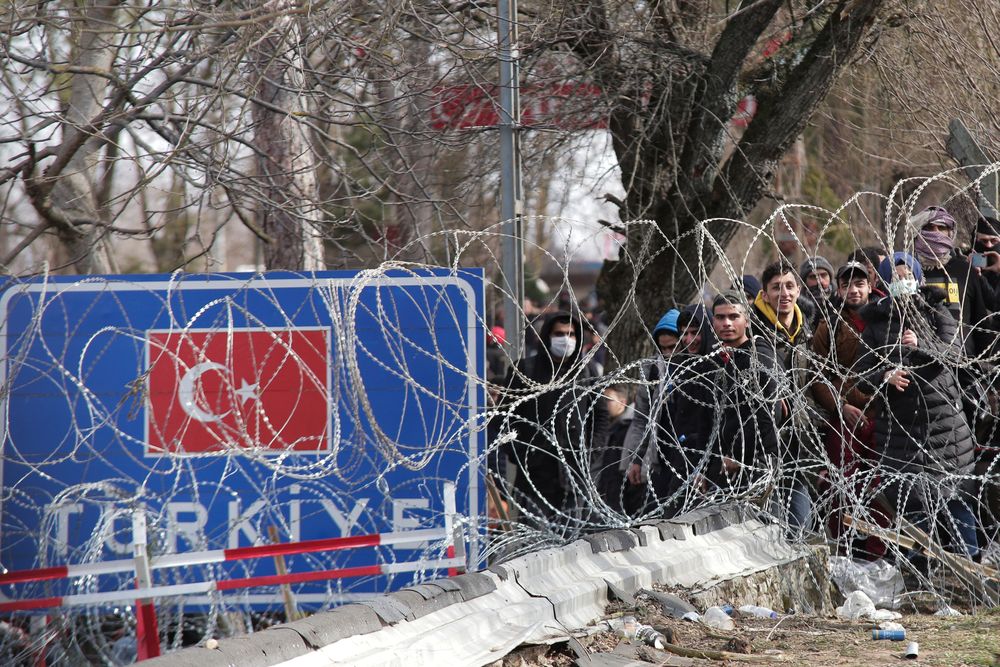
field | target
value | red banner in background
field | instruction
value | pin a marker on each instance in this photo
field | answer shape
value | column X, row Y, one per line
column 567, row 106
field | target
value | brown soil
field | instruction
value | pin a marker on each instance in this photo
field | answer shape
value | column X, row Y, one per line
column 972, row 639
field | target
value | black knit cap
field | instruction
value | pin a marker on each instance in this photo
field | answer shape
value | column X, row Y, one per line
column 988, row 226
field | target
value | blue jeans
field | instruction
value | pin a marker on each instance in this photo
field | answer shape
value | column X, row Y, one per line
column 793, row 505
column 958, row 524
column 955, row 521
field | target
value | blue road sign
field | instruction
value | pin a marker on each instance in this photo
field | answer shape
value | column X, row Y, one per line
column 227, row 405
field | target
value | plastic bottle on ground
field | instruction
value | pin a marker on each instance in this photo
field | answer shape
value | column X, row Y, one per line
column 715, row 617
column 759, row 612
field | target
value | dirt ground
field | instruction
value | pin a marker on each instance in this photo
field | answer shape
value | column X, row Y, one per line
column 972, row 639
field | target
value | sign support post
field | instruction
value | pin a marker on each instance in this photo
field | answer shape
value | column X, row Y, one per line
column 147, row 631
column 511, row 198
column 967, row 152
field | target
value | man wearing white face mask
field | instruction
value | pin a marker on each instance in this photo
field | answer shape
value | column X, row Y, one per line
column 910, row 364
column 560, row 426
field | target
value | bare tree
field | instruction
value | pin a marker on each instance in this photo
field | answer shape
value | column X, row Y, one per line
column 673, row 95
column 286, row 163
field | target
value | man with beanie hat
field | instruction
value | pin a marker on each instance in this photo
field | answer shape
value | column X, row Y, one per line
column 851, row 433
column 987, row 244
column 652, row 455
column 666, row 333
column 817, row 276
column 967, row 297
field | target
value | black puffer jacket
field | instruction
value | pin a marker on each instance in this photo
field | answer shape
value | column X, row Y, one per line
column 921, row 429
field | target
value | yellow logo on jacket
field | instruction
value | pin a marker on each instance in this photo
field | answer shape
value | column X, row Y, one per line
column 950, row 288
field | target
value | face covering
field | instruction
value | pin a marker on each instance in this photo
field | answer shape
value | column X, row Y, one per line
column 562, row 346
column 818, row 292
column 933, row 247
column 903, row 287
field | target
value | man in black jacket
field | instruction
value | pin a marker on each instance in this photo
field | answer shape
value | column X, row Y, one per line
column 559, row 424
column 986, row 261
column 731, row 404
column 910, row 353
column 968, row 296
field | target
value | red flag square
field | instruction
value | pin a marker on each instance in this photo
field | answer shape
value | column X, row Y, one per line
column 218, row 390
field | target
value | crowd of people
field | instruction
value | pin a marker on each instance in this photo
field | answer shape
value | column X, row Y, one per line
column 815, row 391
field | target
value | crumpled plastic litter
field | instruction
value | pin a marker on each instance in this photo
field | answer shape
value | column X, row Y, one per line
column 858, row 605
column 947, row 611
column 882, row 582
column 890, row 625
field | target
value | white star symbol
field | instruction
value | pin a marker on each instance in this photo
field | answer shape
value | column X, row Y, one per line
column 247, row 391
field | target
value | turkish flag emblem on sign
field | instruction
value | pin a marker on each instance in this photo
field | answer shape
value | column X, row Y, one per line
column 219, row 390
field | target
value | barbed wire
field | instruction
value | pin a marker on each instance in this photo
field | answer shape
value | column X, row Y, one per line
column 540, row 438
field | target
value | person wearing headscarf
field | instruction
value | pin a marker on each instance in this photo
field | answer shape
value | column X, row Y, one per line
column 968, row 299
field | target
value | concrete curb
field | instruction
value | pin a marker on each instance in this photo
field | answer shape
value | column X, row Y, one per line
column 475, row 619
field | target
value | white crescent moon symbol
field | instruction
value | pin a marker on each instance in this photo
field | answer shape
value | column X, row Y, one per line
column 185, row 391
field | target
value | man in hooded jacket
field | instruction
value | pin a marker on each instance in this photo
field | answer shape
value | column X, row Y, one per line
column 560, row 425
column 658, row 460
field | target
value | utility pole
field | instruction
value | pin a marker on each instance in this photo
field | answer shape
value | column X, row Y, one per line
column 511, row 202
column 970, row 155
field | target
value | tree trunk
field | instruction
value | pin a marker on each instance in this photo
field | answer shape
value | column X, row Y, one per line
column 69, row 201
column 676, row 174
column 286, row 164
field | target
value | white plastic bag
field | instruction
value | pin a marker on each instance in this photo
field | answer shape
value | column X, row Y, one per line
column 947, row 611
column 879, row 580
column 858, row 605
